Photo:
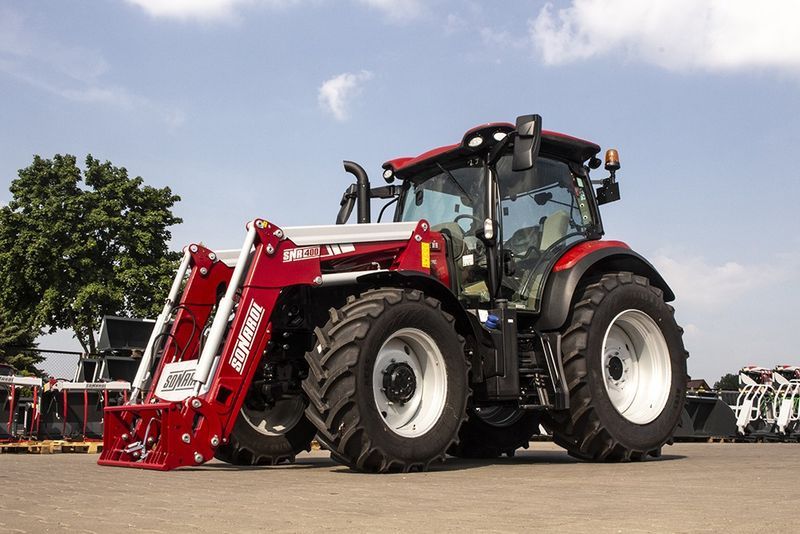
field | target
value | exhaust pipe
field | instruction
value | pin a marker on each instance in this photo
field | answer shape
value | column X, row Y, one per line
column 363, row 195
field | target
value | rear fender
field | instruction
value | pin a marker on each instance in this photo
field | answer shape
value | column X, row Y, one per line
column 582, row 262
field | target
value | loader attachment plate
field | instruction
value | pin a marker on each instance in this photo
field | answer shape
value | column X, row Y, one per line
column 161, row 435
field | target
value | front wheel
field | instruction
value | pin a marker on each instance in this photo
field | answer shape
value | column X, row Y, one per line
column 625, row 366
column 387, row 383
column 268, row 436
column 270, row 429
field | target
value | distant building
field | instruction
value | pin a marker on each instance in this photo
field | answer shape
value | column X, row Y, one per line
column 698, row 385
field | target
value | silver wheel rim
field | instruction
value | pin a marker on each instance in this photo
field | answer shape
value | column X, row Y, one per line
column 636, row 367
column 278, row 419
column 417, row 350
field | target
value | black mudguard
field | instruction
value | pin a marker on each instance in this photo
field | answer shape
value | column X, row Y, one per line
column 560, row 286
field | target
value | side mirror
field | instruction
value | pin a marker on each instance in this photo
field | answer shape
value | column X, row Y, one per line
column 527, row 142
column 347, row 204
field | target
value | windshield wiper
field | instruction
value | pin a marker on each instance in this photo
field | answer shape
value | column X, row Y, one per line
column 453, row 178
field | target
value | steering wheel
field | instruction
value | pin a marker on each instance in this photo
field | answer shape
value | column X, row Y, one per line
column 474, row 219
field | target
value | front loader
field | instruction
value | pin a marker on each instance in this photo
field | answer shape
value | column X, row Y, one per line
column 489, row 306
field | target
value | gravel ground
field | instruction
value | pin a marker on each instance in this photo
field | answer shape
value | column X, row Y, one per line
column 692, row 488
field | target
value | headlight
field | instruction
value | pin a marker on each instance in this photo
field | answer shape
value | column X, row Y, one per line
column 488, row 229
column 475, row 142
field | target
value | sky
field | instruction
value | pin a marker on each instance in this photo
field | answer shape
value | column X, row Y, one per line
column 246, row 108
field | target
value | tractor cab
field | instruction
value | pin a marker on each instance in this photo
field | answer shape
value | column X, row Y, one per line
column 496, row 214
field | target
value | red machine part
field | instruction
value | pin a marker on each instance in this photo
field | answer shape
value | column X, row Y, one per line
column 165, row 435
column 85, row 419
column 13, row 385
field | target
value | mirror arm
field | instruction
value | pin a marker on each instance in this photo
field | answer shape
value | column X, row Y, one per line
column 387, row 191
column 347, row 203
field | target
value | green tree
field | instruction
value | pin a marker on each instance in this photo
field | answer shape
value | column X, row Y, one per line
column 728, row 382
column 15, row 336
column 76, row 246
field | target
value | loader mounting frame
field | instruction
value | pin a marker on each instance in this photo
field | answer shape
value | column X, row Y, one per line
column 196, row 392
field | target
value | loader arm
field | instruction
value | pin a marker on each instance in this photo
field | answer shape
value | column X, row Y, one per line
column 198, row 388
column 208, row 276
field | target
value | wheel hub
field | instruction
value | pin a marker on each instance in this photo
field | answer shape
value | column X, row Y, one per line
column 615, row 367
column 399, row 382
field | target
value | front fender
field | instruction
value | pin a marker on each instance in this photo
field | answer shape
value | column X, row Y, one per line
column 583, row 261
column 430, row 286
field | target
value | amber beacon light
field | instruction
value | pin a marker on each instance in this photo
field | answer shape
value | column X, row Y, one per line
column 612, row 159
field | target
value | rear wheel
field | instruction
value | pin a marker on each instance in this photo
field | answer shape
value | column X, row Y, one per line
column 491, row 431
column 625, row 367
column 387, row 382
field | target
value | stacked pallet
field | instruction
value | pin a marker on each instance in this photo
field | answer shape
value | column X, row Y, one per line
column 51, row 447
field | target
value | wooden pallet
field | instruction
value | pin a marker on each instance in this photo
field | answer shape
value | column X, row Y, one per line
column 28, row 447
column 51, row 447
column 719, row 439
column 85, row 447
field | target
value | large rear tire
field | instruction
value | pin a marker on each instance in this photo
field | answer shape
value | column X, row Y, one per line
column 625, row 366
column 491, row 431
column 387, row 383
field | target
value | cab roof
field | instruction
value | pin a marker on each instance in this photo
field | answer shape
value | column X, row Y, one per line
column 553, row 143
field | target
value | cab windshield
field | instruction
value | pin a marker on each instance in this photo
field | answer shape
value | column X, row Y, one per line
column 542, row 211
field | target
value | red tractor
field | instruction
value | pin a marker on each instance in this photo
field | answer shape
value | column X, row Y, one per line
column 488, row 306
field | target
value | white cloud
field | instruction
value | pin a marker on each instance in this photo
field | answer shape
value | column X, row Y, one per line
column 336, row 94
column 674, row 34
column 397, row 10
column 701, row 284
column 202, row 9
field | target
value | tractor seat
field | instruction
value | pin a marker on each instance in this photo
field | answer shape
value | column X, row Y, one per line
column 555, row 227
